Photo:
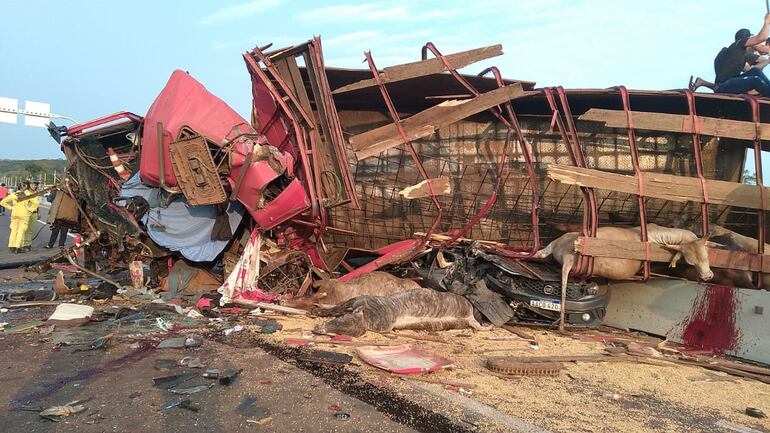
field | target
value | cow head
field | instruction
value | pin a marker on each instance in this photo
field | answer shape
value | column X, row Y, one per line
column 349, row 324
column 696, row 255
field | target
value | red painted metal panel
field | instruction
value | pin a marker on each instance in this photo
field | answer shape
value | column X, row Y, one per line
column 290, row 203
column 184, row 101
column 111, row 119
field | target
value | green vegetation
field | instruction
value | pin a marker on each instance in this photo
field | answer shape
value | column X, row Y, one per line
column 749, row 177
column 36, row 168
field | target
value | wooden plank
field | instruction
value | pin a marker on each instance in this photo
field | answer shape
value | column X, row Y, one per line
column 739, row 260
column 677, row 123
column 426, row 122
column 425, row 67
column 264, row 305
column 440, row 184
column 621, row 249
column 662, row 186
column 718, row 258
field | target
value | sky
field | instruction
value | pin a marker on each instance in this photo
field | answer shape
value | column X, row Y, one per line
column 88, row 59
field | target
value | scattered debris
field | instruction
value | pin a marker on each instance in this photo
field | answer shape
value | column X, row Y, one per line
column 755, row 413
column 71, row 315
column 172, row 343
column 402, row 359
column 512, row 366
column 168, row 382
column 342, row 416
column 191, row 362
column 267, row 326
column 212, row 373
column 165, row 364
column 190, row 341
column 184, row 404
column 192, row 390
column 247, row 408
column 22, row 327
column 228, row 377
column 55, row 413
column 237, row 328
column 99, row 343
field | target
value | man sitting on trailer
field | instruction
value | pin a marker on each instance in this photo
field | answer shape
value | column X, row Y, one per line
column 756, row 57
column 729, row 64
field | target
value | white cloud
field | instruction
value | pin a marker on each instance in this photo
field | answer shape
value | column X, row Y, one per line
column 239, row 11
column 363, row 12
column 354, row 37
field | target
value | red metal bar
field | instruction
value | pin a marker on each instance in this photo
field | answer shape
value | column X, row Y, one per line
column 314, row 170
column 578, row 150
column 496, row 111
column 557, row 120
column 529, row 159
column 253, row 66
column 277, row 77
column 584, row 265
column 640, row 182
column 331, row 111
column 77, row 129
column 696, row 147
column 409, row 146
column 754, row 104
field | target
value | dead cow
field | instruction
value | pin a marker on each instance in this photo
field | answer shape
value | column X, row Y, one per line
column 722, row 277
column 334, row 292
column 685, row 243
column 690, row 247
column 423, row 309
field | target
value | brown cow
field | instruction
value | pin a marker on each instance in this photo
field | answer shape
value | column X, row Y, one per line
column 423, row 309
column 563, row 251
column 334, row 292
column 685, row 243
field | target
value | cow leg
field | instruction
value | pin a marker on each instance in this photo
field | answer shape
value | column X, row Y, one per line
column 566, row 267
column 473, row 323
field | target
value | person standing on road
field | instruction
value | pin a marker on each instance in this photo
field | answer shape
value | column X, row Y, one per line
column 31, row 189
column 3, row 194
column 59, row 229
column 20, row 215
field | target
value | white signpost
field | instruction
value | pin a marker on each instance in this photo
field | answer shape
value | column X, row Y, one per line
column 37, row 114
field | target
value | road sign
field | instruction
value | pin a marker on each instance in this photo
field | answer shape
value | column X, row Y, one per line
column 9, row 109
column 37, row 114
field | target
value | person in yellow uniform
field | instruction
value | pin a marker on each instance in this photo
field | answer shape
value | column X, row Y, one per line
column 31, row 189
column 20, row 215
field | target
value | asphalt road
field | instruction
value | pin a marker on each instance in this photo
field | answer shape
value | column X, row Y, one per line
column 38, row 243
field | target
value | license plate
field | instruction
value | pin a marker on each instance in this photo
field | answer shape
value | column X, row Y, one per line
column 545, row 305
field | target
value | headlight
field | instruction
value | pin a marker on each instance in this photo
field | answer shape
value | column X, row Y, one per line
column 592, row 289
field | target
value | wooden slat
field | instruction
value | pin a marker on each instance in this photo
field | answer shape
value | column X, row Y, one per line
column 426, row 67
column 677, row 123
column 718, row 258
column 739, row 260
column 440, row 184
column 663, row 186
column 425, row 122
column 621, row 249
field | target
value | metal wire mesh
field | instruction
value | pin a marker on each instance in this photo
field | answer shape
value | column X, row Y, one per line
column 468, row 152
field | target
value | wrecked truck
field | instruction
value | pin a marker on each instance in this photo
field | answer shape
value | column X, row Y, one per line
column 365, row 169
